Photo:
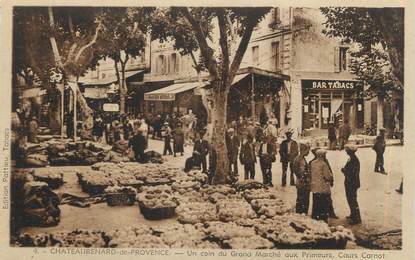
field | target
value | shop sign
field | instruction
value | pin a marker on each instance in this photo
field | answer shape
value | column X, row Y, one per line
column 159, row 96
column 111, row 107
column 328, row 84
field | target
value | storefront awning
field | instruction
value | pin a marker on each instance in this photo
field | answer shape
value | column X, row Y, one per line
column 169, row 93
column 108, row 80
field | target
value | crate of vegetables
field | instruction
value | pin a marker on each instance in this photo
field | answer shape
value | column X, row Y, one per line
column 120, row 196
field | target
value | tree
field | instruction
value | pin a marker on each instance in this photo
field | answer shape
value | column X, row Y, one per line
column 73, row 33
column 371, row 27
column 379, row 32
column 125, row 32
column 191, row 30
column 373, row 69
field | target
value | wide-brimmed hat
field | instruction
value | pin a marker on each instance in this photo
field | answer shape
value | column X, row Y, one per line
column 166, row 123
column 350, row 148
column 382, row 129
column 231, row 130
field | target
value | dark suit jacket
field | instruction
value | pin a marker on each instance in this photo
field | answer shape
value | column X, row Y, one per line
column 351, row 173
column 232, row 144
column 285, row 156
column 202, row 147
column 380, row 144
column 247, row 154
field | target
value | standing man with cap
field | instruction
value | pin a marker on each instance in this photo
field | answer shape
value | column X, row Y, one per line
column 344, row 133
column 379, row 147
column 232, row 144
column 266, row 158
column 201, row 146
column 288, row 152
column 138, row 143
column 321, row 181
column 167, row 138
column 248, row 158
column 302, row 172
column 352, row 183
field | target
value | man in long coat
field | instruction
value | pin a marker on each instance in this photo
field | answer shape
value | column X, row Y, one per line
column 138, row 144
column 178, row 140
column 321, row 181
column 33, row 128
column 288, row 152
column 201, row 146
column 232, row 144
column 248, row 158
column 351, row 173
column 344, row 133
column 266, row 158
column 302, row 172
column 379, row 147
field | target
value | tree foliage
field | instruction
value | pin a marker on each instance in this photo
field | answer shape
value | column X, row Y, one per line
column 213, row 33
column 370, row 27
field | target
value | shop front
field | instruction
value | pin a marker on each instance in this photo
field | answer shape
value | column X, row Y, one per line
column 178, row 97
column 325, row 101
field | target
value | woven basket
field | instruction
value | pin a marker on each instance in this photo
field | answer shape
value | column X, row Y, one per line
column 120, row 199
column 156, row 213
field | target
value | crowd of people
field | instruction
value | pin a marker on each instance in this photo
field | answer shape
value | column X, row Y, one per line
column 248, row 142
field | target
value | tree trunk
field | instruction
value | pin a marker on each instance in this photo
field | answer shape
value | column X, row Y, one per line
column 123, row 90
column 219, row 116
column 87, row 114
column 379, row 124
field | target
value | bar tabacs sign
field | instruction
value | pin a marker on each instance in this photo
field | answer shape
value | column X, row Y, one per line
column 318, row 84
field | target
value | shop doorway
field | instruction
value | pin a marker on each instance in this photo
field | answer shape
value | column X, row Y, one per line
column 325, row 114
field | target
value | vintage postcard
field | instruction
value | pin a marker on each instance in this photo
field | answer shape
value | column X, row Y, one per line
column 208, row 130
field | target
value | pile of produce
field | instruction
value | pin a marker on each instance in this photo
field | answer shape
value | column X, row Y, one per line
column 157, row 202
column 231, row 210
column 183, row 236
column 183, row 187
column 138, row 237
column 94, row 182
column 51, row 177
column 216, row 197
column 76, row 238
column 254, row 194
column 248, row 185
column 300, row 231
column 270, row 207
column 196, row 212
column 390, row 240
column 231, row 235
column 223, row 189
column 39, row 205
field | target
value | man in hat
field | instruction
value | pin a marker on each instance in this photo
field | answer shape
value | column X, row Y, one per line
column 167, row 138
column 266, row 158
column 302, row 172
column 247, row 157
column 138, row 144
column 201, row 146
column 232, row 144
column 379, row 147
column 332, row 136
column 288, row 152
column 321, row 181
column 352, row 183
column 344, row 133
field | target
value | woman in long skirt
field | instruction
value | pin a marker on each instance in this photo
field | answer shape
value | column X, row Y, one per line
column 178, row 140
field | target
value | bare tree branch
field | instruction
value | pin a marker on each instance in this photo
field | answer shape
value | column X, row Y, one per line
column 206, row 51
column 55, row 49
column 243, row 45
column 223, row 41
column 92, row 42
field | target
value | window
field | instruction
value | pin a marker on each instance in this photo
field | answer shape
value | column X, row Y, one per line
column 173, row 65
column 275, row 49
column 143, row 56
column 255, row 55
column 341, row 60
column 161, row 65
